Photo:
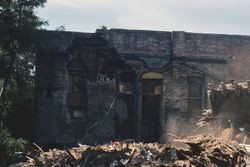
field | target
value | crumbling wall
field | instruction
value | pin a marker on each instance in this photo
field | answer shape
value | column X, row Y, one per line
column 216, row 57
column 51, row 91
column 54, row 122
column 176, row 55
column 86, row 130
column 231, row 102
column 51, row 85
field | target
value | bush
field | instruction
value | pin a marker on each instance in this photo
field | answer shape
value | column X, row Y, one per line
column 8, row 144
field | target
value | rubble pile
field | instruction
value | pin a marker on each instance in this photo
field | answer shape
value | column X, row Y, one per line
column 200, row 151
column 233, row 85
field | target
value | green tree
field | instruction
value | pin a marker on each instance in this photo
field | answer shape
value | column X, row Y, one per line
column 19, row 31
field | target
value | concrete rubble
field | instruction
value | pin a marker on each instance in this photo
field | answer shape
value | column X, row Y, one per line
column 191, row 151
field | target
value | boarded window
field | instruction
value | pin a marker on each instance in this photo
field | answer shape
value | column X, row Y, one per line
column 77, row 96
column 195, row 94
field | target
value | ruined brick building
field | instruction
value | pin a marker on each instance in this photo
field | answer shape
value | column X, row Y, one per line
column 115, row 84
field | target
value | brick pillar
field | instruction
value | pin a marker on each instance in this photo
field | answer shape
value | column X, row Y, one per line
column 178, row 43
column 138, row 105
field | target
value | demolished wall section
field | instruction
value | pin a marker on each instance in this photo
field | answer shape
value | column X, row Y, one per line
column 176, row 56
column 55, row 124
column 216, row 57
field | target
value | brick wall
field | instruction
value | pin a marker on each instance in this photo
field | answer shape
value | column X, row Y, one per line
column 235, row 49
column 54, row 123
column 139, row 41
column 176, row 55
column 202, row 54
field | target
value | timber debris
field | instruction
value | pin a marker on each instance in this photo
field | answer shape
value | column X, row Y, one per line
column 195, row 151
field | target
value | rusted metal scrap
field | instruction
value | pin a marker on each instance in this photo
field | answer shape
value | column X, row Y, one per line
column 202, row 151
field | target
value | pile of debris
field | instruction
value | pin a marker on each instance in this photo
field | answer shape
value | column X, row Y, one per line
column 233, row 85
column 200, row 151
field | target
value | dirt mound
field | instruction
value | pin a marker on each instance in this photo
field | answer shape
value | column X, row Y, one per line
column 200, row 151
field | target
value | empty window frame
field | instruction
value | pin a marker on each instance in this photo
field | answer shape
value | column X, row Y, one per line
column 77, row 96
column 195, row 94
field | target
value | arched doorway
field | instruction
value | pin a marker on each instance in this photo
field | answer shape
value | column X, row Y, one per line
column 151, row 106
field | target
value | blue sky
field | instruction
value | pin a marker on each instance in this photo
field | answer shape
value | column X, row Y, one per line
column 211, row 16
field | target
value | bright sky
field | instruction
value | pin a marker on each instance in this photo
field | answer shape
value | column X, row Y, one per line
column 212, row 16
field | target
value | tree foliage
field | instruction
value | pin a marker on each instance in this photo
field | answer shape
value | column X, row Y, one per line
column 19, row 31
column 18, row 28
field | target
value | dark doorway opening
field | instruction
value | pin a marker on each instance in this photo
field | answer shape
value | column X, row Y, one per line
column 151, row 106
column 125, row 106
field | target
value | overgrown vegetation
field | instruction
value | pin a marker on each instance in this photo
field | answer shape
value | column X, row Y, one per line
column 19, row 29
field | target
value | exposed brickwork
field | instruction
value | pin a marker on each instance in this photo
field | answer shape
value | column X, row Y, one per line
column 176, row 55
column 136, row 41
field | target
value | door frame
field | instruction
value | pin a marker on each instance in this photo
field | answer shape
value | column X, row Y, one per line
column 160, row 76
